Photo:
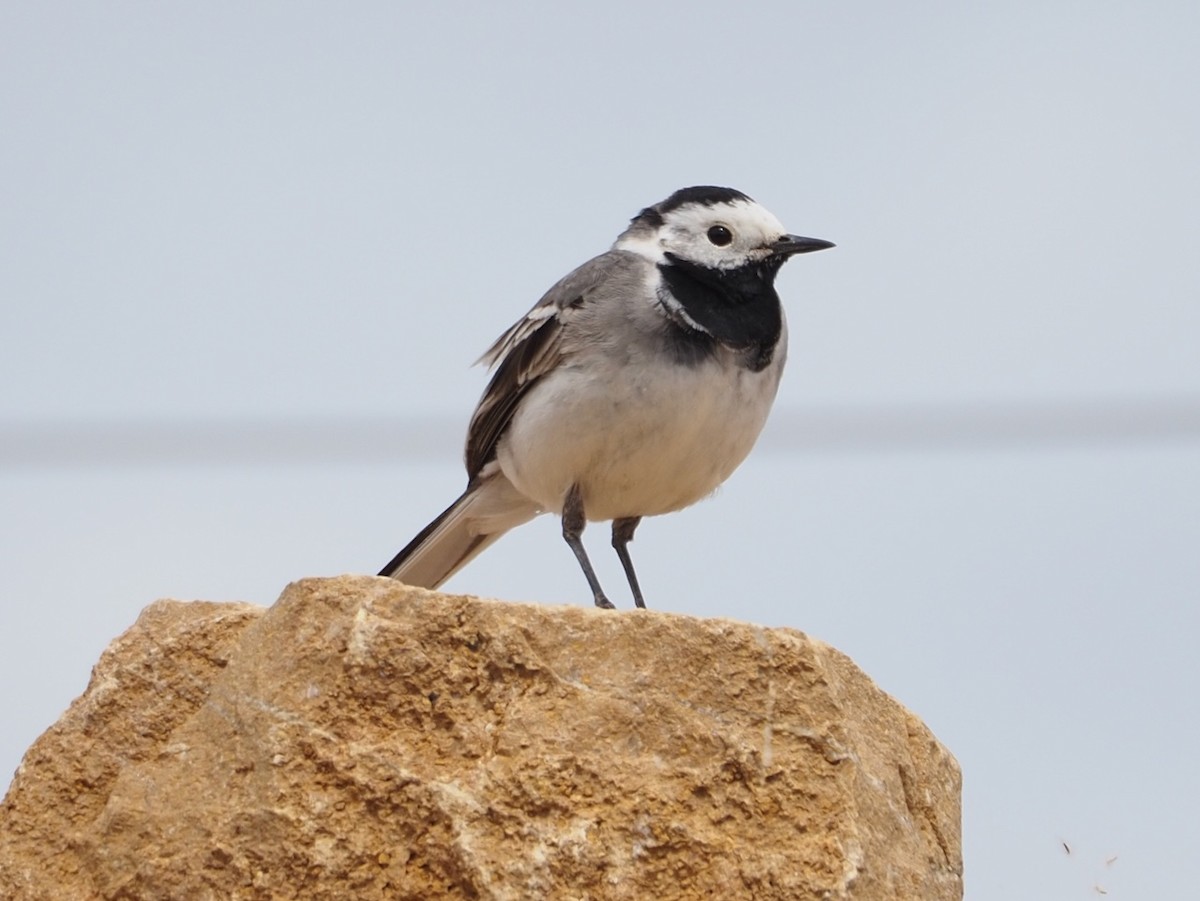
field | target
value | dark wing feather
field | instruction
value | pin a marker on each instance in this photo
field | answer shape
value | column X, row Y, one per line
column 525, row 361
column 528, row 351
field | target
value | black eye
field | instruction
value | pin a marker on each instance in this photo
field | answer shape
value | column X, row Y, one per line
column 720, row 235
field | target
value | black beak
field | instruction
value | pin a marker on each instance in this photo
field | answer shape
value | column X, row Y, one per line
column 792, row 244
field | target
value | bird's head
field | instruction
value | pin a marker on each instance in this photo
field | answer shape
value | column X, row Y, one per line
column 712, row 228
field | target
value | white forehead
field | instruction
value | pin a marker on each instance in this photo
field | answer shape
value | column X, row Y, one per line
column 745, row 217
column 684, row 232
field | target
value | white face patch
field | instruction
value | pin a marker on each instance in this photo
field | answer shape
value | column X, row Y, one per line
column 685, row 232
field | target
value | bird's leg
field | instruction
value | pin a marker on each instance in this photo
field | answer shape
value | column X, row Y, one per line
column 573, row 521
column 623, row 534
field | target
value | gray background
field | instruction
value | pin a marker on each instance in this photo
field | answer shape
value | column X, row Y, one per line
column 249, row 251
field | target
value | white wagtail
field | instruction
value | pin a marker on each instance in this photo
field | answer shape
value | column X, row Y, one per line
column 634, row 387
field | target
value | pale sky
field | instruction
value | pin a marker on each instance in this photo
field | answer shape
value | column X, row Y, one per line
column 316, row 216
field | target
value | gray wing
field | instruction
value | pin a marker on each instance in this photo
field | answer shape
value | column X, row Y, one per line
column 534, row 346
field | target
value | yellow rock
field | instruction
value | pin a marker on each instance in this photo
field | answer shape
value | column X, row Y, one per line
column 363, row 739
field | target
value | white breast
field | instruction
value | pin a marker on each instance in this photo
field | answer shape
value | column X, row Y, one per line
column 641, row 437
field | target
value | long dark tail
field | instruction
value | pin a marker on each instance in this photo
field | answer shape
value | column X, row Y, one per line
column 484, row 512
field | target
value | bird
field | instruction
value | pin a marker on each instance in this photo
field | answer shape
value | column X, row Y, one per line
column 633, row 388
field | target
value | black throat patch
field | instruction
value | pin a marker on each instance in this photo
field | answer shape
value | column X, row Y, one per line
column 738, row 308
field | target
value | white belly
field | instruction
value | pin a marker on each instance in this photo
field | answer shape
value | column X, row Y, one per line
column 636, row 446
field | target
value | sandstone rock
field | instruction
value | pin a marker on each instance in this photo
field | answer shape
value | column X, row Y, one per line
column 362, row 739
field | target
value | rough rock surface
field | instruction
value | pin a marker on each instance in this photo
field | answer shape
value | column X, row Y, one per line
column 362, row 739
